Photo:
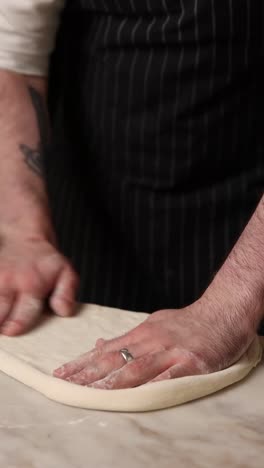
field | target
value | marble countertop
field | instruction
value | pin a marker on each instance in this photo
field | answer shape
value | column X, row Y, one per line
column 223, row 430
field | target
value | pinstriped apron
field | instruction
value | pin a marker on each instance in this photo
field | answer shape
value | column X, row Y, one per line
column 157, row 158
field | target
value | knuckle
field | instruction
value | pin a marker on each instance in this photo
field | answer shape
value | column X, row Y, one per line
column 51, row 263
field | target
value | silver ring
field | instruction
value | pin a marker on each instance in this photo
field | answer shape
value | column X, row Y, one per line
column 126, row 355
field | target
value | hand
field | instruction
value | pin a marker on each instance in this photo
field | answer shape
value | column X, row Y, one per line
column 30, row 271
column 198, row 339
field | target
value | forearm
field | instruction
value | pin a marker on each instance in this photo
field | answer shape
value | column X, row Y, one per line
column 240, row 281
column 24, row 137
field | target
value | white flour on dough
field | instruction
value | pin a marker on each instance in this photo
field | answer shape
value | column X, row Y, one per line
column 31, row 359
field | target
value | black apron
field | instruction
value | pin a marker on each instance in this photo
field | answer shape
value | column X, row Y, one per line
column 157, row 158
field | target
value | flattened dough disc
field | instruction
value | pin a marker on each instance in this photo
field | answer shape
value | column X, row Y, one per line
column 31, row 359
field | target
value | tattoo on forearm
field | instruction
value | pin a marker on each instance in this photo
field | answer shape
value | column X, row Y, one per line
column 34, row 156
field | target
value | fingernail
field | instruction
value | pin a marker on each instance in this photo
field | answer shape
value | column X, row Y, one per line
column 9, row 328
column 58, row 372
column 70, row 379
column 67, row 308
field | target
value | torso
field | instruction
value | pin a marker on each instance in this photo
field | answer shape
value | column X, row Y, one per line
column 170, row 137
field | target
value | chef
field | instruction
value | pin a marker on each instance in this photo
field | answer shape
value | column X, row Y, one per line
column 132, row 172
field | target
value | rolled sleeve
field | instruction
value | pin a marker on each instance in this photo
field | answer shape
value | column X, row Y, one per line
column 27, row 34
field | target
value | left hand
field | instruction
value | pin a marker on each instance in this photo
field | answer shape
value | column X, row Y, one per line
column 202, row 338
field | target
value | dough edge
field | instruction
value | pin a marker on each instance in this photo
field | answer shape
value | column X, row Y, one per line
column 148, row 397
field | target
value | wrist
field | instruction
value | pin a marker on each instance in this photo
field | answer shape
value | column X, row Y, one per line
column 30, row 225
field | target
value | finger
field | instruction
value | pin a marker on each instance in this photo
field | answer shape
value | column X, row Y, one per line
column 100, row 342
column 102, row 347
column 136, row 372
column 6, row 302
column 62, row 300
column 181, row 369
column 93, row 372
column 24, row 315
column 76, row 365
column 95, row 360
column 121, row 342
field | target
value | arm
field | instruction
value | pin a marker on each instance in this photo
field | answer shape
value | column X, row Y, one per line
column 240, row 281
column 24, row 137
column 31, row 268
column 27, row 36
column 207, row 336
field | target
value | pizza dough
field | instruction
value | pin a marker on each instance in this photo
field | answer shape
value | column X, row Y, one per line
column 32, row 358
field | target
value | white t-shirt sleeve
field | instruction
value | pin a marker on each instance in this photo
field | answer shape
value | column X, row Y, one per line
column 27, row 34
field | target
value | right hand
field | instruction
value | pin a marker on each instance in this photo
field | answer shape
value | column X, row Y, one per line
column 32, row 270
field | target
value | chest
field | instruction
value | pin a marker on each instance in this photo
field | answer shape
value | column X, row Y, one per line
column 186, row 20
